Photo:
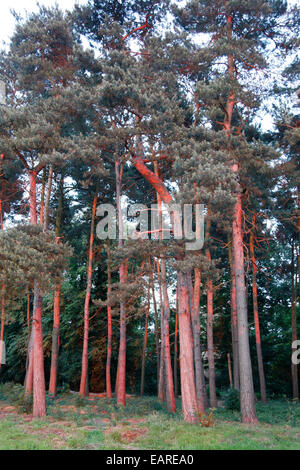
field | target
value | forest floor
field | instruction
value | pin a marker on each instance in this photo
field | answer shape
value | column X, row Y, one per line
column 97, row 423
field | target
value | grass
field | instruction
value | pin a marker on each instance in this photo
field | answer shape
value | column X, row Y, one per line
column 73, row 423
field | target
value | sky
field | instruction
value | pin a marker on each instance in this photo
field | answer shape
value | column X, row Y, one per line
column 7, row 21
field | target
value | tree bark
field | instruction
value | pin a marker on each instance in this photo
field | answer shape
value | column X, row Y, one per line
column 234, row 332
column 202, row 399
column 187, row 377
column 109, row 328
column 248, row 410
column 261, row 372
column 294, row 367
column 39, row 390
column 121, row 383
column 48, row 196
column 56, row 312
column 55, row 342
column 84, row 368
column 247, row 397
column 145, row 347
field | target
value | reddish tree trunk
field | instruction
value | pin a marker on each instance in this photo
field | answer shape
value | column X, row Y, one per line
column 248, row 410
column 109, row 329
column 188, row 388
column 234, row 332
column 210, row 345
column 2, row 321
column 55, row 342
column 156, row 321
column 42, row 205
column 48, row 196
column 176, row 349
column 170, row 397
column 145, row 347
column 202, row 399
column 229, row 370
column 256, row 320
column 39, row 391
column 32, row 197
column 29, row 364
column 121, row 382
column 294, row 367
column 84, row 367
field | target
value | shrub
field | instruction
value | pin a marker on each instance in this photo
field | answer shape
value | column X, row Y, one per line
column 232, row 400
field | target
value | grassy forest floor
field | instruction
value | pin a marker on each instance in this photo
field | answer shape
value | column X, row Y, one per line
column 97, row 423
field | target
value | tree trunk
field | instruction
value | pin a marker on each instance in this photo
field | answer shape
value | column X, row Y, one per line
column 56, row 312
column 210, row 345
column 187, row 378
column 145, row 347
column 170, row 397
column 121, row 383
column 48, row 196
column 109, row 328
column 29, row 364
column 247, row 398
column 175, row 367
column 256, row 320
column 229, row 370
column 84, row 368
column 234, row 332
column 294, row 367
column 55, row 342
column 202, row 399
column 42, row 205
column 248, row 410
column 156, row 327
column 2, row 321
column 39, row 391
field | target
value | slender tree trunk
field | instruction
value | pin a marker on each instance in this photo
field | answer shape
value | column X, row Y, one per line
column 247, row 397
column 248, row 410
column 165, row 312
column 156, row 327
column 35, row 378
column 229, row 370
column 210, row 345
column 121, row 383
column 56, row 312
column 55, row 342
column 3, row 287
column 294, row 367
column 209, row 328
column 234, row 332
column 162, row 381
column 145, row 346
column 188, row 388
column 29, row 364
column 109, row 328
column 42, row 206
column 48, row 196
column 170, row 397
column 176, row 349
column 202, row 399
column 28, row 310
column 2, row 321
column 256, row 320
column 84, row 368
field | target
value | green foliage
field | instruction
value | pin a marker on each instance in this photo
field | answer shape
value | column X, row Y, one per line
column 232, row 400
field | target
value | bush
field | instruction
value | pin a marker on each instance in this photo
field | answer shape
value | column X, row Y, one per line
column 14, row 394
column 232, row 400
